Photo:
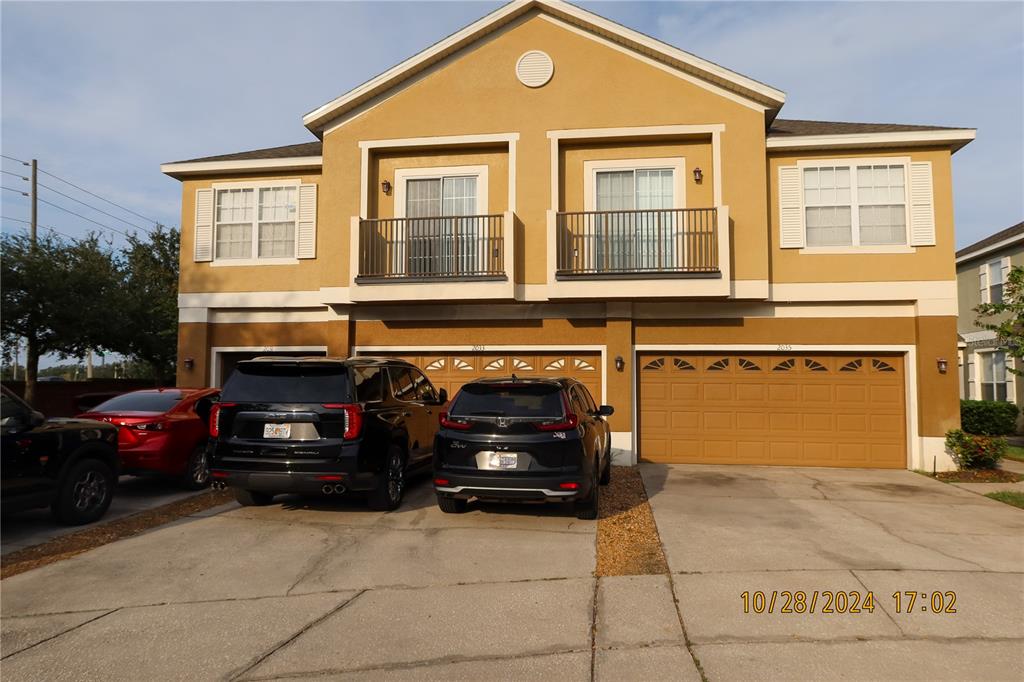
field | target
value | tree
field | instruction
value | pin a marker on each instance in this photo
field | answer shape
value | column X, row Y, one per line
column 149, row 301
column 1006, row 318
column 56, row 295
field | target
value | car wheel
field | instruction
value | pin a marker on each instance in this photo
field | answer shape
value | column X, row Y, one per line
column 391, row 486
column 197, row 470
column 451, row 505
column 84, row 494
column 587, row 509
column 606, row 470
column 253, row 498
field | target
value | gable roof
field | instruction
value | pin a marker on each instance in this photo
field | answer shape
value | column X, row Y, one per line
column 744, row 86
column 1011, row 235
column 796, row 134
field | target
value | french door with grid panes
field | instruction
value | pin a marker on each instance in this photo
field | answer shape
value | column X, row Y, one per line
column 634, row 232
column 442, row 230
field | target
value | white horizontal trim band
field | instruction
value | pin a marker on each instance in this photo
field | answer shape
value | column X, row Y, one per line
column 244, row 165
column 962, row 136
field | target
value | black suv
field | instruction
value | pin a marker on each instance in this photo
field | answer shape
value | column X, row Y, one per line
column 323, row 426
column 517, row 439
column 69, row 465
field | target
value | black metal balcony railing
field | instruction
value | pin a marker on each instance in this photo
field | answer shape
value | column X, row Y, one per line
column 445, row 247
column 642, row 242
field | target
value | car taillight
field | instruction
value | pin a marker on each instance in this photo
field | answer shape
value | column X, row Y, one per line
column 150, row 426
column 215, row 418
column 353, row 418
column 457, row 423
column 569, row 486
column 441, row 481
column 566, row 423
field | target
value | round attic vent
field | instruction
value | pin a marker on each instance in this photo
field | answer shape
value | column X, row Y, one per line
column 534, row 69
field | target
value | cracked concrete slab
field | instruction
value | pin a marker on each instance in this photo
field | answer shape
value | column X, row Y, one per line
column 441, row 625
column 910, row 660
column 171, row 642
column 636, row 610
column 18, row 634
column 650, row 664
column 713, row 607
column 984, row 604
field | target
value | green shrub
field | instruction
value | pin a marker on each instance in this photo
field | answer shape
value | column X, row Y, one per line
column 975, row 452
column 988, row 417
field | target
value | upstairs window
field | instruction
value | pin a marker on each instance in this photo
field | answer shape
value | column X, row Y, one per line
column 855, row 205
column 995, row 282
column 255, row 223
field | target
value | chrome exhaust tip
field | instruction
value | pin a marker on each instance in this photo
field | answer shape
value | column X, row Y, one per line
column 327, row 489
column 339, row 489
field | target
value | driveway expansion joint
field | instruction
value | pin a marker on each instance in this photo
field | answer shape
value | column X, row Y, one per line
column 61, row 633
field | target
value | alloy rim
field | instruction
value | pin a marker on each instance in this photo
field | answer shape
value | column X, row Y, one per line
column 396, row 478
column 200, row 472
column 89, row 491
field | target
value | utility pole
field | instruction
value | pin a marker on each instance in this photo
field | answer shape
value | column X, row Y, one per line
column 31, row 349
column 35, row 202
column 88, row 364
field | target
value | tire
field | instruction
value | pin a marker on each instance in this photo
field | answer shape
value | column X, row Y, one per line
column 451, row 505
column 586, row 510
column 387, row 496
column 84, row 493
column 197, row 471
column 253, row 498
column 606, row 471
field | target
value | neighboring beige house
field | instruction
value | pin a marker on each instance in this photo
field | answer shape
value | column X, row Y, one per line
column 549, row 192
column 981, row 270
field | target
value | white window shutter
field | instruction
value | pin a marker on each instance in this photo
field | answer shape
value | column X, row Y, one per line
column 1005, row 266
column 922, row 205
column 307, row 222
column 204, row 225
column 791, row 211
column 983, row 282
column 1011, row 380
column 973, row 392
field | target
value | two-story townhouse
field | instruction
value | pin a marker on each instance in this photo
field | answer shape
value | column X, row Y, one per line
column 549, row 192
column 981, row 271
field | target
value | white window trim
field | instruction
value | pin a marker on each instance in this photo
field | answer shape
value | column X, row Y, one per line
column 592, row 168
column 255, row 187
column 1009, row 380
column 856, row 247
column 403, row 175
column 986, row 296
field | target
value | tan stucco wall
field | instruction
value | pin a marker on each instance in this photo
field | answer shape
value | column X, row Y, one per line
column 204, row 277
column 926, row 263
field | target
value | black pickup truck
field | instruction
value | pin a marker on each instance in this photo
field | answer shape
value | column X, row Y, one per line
column 69, row 465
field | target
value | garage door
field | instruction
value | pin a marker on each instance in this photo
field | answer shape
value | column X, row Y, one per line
column 452, row 370
column 803, row 410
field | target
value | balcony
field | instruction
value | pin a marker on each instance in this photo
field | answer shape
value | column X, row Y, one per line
column 685, row 250
column 461, row 257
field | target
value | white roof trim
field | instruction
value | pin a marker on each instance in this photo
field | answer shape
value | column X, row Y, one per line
column 318, row 119
column 241, row 165
column 1009, row 241
column 958, row 137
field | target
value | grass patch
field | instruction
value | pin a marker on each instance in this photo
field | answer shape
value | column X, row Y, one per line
column 627, row 537
column 1009, row 497
column 1014, row 452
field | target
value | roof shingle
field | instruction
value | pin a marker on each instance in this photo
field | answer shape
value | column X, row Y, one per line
column 284, row 152
column 1002, row 235
column 783, row 127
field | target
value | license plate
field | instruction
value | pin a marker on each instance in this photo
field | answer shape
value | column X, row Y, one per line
column 504, row 460
column 277, row 430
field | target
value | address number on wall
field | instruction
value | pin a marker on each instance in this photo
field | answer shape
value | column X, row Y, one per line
column 477, row 349
column 785, row 347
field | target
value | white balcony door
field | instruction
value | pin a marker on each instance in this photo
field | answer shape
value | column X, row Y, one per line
column 440, row 241
column 641, row 240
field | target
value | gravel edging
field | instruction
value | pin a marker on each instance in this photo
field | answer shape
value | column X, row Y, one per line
column 627, row 537
column 91, row 537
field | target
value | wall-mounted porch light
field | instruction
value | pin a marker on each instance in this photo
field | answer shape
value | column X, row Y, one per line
column 620, row 364
column 698, row 175
column 386, row 186
column 942, row 365
column 190, row 363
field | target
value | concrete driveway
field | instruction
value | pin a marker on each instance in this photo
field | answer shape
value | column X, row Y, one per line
column 730, row 530
column 333, row 591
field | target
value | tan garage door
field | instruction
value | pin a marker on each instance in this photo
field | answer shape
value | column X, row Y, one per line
column 803, row 410
column 452, row 370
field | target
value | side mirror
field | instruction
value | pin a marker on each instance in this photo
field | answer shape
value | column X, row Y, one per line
column 442, row 396
column 605, row 411
column 37, row 418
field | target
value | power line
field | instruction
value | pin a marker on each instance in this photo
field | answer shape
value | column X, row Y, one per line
column 93, row 194
column 11, row 158
column 17, row 175
column 45, row 227
column 111, row 215
column 11, row 189
column 67, row 210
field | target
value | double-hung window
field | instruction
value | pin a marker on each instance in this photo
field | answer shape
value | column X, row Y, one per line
column 255, row 223
column 994, row 379
column 634, row 231
column 855, row 204
column 995, row 282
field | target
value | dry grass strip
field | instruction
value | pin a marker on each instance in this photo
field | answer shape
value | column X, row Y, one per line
column 627, row 538
column 69, row 545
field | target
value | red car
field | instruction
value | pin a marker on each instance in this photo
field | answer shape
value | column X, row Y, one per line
column 162, row 431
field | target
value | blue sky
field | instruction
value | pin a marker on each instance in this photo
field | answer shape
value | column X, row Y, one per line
column 102, row 93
